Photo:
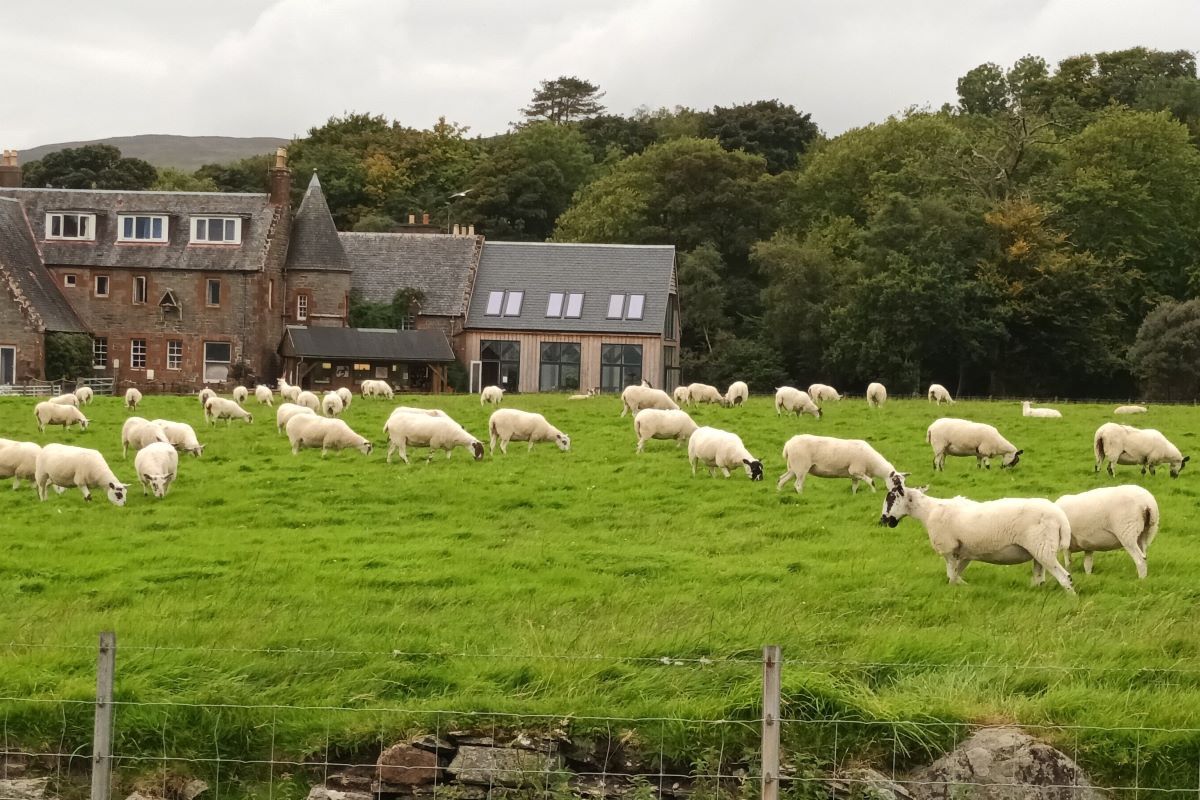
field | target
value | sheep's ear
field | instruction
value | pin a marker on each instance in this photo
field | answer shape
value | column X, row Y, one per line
column 1019, row 452
column 112, row 485
column 1186, row 459
column 746, row 461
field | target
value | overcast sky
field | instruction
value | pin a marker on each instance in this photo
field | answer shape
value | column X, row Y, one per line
column 276, row 67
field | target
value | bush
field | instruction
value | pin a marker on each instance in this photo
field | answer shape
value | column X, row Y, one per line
column 68, row 356
column 1165, row 356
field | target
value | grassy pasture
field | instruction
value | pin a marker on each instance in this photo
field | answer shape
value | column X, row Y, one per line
column 529, row 557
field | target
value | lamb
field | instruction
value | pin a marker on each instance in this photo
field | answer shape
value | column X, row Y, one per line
column 1111, row 518
column 820, row 392
column 373, row 388
column 18, row 460
column 287, row 391
column 205, row 394
column 309, row 400
column 737, row 394
column 1008, row 531
column 1027, row 410
column 132, row 398
column 1124, row 444
column 1130, row 410
column 590, row 394
column 181, row 436
column 703, row 393
column 434, row 432
column 157, row 465
column 681, row 396
column 876, row 395
column 68, row 399
column 47, row 413
column 828, row 457
column 716, row 448
column 139, row 432
column 286, row 411
column 491, row 395
column 656, row 423
column 240, row 393
column 960, row 437
column 84, row 394
column 332, row 404
column 509, row 424
column 63, row 466
column 264, row 395
column 346, row 395
column 220, row 408
column 938, row 394
column 635, row 398
column 793, row 400
column 310, row 430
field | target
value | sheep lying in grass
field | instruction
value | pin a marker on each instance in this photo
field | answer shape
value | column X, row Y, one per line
column 346, row 395
column 681, row 396
column 718, row 449
column 1124, row 444
column 264, row 395
column 18, row 460
column 509, row 424
column 821, row 393
column 47, row 413
column 332, row 404
column 491, row 395
column 1027, row 410
column 960, row 437
column 309, row 400
column 635, row 398
column 703, row 393
column 219, row 408
column 794, row 401
column 68, row 399
column 327, row 433
column 876, row 395
column 938, row 394
column 180, row 435
column 1130, row 410
column 287, row 391
column 84, row 394
column 157, row 465
column 63, row 466
column 737, row 393
column 374, row 388
column 422, row 430
column 657, row 423
column 590, row 394
column 137, row 433
column 828, row 457
column 240, row 393
column 133, row 398
column 1111, row 518
column 1008, row 531
column 286, row 411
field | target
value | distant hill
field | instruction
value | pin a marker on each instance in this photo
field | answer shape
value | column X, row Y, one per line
column 182, row 152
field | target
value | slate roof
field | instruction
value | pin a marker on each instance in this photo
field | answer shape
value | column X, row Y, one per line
column 437, row 265
column 21, row 263
column 255, row 210
column 597, row 270
column 315, row 244
column 369, row 344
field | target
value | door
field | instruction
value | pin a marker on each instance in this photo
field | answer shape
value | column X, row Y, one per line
column 501, row 363
column 8, row 365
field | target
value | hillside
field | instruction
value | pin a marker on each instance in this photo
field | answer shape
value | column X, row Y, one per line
column 182, row 152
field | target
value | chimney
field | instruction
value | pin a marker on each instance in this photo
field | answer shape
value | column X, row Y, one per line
column 471, row 229
column 10, row 170
column 412, row 219
column 457, row 230
column 425, row 218
column 280, row 179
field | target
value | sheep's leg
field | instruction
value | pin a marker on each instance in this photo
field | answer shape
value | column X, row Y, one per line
column 853, row 484
column 1149, row 467
column 641, row 445
column 952, row 569
column 1039, row 575
column 782, row 479
column 712, row 471
column 530, row 448
column 1112, row 473
column 504, row 445
column 87, row 493
column 725, row 471
column 693, row 462
column 1139, row 558
column 16, row 483
column 143, row 486
column 1048, row 558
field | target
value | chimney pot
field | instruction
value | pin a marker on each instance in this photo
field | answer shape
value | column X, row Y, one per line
column 456, row 230
column 471, row 229
column 425, row 218
column 412, row 219
column 281, row 158
column 10, row 170
column 280, row 179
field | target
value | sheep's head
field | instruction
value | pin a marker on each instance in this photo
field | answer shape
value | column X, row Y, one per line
column 158, row 484
column 477, row 449
column 1010, row 460
column 365, row 447
column 84, row 422
column 754, row 468
column 899, row 499
column 196, row 451
column 116, row 493
column 1177, row 467
column 562, row 440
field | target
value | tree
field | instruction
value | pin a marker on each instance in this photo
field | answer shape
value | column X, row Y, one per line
column 1165, row 356
column 244, row 175
column 984, row 90
column 564, row 100
column 68, row 355
column 176, row 180
column 375, row 223
column 702, row 293
column 93, row 166
column 777, row 132
column 614, row 137
column 365, row 314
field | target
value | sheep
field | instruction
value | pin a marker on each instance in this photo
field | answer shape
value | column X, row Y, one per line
column 793, row 400
column 960, row 437
column 716, row 448
column 18, row 460
column 509, row 424
column 220, row 408
column 373, row 388
column 1027, row 410
column 820, row 392
column 1129, row 410
column 1111, row 518
column 286, row 411
column 63, row 466
column 346, row 395
column 309, row 400
column 703, row 393
column 656, row 423
column 264, row 395
column 287, row 391
column 157, row 465
column 635, row 398
column 47, row 413
column 876, row 395
column 434, row 432
column 429, row 412
column 1008, row 531
column 938, row 394
column 204, row 395
column 139, row 432
column 68, row 399
column 132, row 398
column 491, row 395
column 828, row 457
column 84, row 394
column 590, row 394
column 737, row 394
column 240, row 393
column 681, row 396
column 310, row 430
column 1123, row 444
column 332, row 404
column 181, row 436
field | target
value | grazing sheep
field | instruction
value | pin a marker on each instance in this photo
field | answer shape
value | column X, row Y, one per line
column 876, row 395
column 374, row 388
column 47, row 413
column 1111, row 518
column 1008, row 531
column 491, row 395
column 18, row 460
column 827, row 457
column 138, row 433
column 1027, row 410
column 286, row 411
column 793, row 400
column 63, row 466
column 157, row 465
column 656, row 423
column 703, row 393
column 68, row 399
column 635, row 398
column 181, row 436
column 960, row 437
column 737, row 393
column 84, row 394
column 220, row 408
column 1124, row 444
column 509, row 424
column 240, row 393
column 287, row 391
column 332, row 404
column 820, row 393
column 346, row 395
column 1129, row 410
column 204, row 395
column 264, row 395
column 133, row 398
column 309, row 400
column 938, row 394
column 716, row 448
column 681, row 396
column 310, row 430
column 434, row 432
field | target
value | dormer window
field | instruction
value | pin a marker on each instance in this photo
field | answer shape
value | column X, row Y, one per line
column 70, row 226
column 216, row 230
column 139, row 228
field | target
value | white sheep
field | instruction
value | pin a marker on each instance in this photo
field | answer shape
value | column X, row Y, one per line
column 264, row 395
column 1111, row 518
column 680, row 395
column 63, row 466
column 18, row 460
column 1130, row 410
column 737, row 394
column 68, row 399
column 327, row 433
column 703, row 393
column 876, row 395
column 137, row 433
column 157, row 466
column 47, row 413
column 938, row 394
column 219, row 408
column 657, row 423
column 590, row 394
column 828, row 457
column 1124, row 444
column 1008, row 531
column 960, row 437
column 718, row 449
column 332, row 404
column 309, row 400
column 509, row 424
column 240, row 393
column 180, row 435
column 287, row 391
column 133, row 398
column 1027, row 410
column 792, row 400
column 84, row 394
column 204, row 395
column 821, row 392
column 421, row 430
column 429, row 412
column 374, row 388
column 286, row 411
column 491, row 395
column 346, row 395
column 635, row 398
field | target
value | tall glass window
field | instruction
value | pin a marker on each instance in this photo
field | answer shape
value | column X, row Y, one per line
column 501, row 363
column 558, row 369
column 620, row 366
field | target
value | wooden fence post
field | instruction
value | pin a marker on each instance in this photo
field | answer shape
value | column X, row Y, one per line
column 106, row 663
column 772, row 663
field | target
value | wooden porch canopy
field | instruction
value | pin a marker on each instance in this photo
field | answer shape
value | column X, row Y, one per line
column 303, row 348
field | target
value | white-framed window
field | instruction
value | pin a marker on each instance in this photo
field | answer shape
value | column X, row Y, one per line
column 140, row 289
column 635, row 307
column 301, row 307
column 141, row 228
column 174, row 354
column 554, row 304
column 137, row 353
column 212, row 292
column 216, row 230
column 494, row 304
column 100, row 285
column 616, row 306
column 69, row 280
column 512, row 304
column 100, row 352
column 217, row 358
column 63, row 225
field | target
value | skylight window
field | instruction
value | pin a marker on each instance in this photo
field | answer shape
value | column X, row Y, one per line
column 495, row 303
column 622, row 306
column 512, row 304
column 554, row 306
column 637, row 303
column 616, row 305
column 564, row 305
column 574, row 305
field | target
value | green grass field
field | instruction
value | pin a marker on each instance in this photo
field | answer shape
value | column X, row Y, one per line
column 532, row 561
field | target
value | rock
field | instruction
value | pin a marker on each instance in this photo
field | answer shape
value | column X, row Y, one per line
column 457, row 791
column 498, row 766
column 322, row 793
column 1003, row 764
column 471, row 738
column 352, row 779
column 864, row 783
column 193, row 789
column 433, row 744
column 405, row 765
column 24, row 788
